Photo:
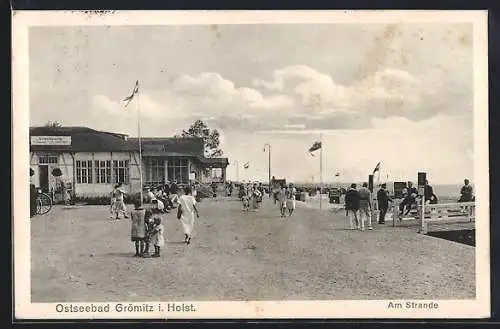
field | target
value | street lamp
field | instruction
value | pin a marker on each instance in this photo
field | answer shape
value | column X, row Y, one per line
column 269, row 149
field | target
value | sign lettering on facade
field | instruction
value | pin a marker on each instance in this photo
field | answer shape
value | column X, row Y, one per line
column 50, row 140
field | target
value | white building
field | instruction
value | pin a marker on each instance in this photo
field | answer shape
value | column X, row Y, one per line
column 92, row 162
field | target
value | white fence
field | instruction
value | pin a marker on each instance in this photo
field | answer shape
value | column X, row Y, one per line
column 442, row 214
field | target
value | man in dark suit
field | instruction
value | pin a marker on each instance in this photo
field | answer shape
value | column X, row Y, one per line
column 352, row 200
column 383, row 202
column 429, row 195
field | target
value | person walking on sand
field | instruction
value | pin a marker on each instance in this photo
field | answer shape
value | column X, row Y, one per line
column 352, row 206
column 290, row 199
column 119, row 202
column 186, row 213
column 365, row 206
column 256, row 195
column 112, row 203
column 282, row 200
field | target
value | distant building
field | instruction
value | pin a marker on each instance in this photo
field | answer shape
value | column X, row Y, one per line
column 92, row 161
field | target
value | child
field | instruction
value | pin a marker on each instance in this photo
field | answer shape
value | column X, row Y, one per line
column 157, row 235
column 138, row 228
column 148, row 224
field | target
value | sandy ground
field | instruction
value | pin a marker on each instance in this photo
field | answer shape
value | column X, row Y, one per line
column 79, row 255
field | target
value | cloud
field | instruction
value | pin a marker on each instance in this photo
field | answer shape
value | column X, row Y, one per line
column 300, row 96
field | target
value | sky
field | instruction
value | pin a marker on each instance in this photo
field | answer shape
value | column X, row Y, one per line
column 398, row 94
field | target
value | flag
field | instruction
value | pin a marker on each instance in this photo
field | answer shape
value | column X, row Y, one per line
column 377, row 168
column 316, row 146
column 246, row 165
column 128, row 99
column 337, row 174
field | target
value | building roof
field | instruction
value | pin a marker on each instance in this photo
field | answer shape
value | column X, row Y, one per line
column 214, row 162
column 173, row 146
column 85, row 139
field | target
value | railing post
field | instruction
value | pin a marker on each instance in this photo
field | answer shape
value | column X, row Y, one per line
column 394, row 214
column 423, row 224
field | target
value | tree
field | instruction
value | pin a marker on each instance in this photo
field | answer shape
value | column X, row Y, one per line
column 211, row 138
column 53, row 124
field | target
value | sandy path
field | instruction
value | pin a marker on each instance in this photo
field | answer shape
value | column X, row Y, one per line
column 243, row 256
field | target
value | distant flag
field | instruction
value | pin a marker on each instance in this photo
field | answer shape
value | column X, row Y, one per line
column 246, row 165
column 128, row 99
column 377, row 168
column 316, row 146
column 337, row 174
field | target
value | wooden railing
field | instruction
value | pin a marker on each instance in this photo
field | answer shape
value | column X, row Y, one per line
column 444, row 213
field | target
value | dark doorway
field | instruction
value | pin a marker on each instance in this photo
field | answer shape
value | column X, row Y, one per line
column 43, row 171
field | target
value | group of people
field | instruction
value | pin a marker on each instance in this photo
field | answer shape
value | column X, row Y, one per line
column 358, row 202
column 284, row 197
column 358, row 206
column 147, row 227
column 251, row 196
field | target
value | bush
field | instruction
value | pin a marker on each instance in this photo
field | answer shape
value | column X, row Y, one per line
column 104, row 200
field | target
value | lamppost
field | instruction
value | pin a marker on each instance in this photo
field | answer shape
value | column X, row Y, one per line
column 269, row 164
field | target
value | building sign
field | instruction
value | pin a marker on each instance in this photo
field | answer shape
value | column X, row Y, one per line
column 192, row 176
column 50, row 140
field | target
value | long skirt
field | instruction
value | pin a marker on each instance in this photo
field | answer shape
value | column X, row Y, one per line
column 187, row 221
column 290, row 204
column 254, row 202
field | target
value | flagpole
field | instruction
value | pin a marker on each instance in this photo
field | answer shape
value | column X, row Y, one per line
column 138, row 109
column 320, row 170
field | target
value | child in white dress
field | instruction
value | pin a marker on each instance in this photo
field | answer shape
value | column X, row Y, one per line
column 157, row 238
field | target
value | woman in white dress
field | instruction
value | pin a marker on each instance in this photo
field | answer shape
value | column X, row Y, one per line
column 186, row 213
column 290, row 199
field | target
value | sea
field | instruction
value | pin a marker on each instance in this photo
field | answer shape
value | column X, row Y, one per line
column 442, row 191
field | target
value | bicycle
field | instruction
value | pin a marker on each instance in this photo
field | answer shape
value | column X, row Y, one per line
column 43, row 203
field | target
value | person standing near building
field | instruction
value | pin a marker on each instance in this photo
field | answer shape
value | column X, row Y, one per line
column 383, row 202
column 187, row 213
column 214, row 189
column 352, row 206
column 120, row 207
column 365, row 206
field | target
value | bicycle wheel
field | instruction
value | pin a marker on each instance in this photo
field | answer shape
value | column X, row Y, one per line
column 43, row 204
